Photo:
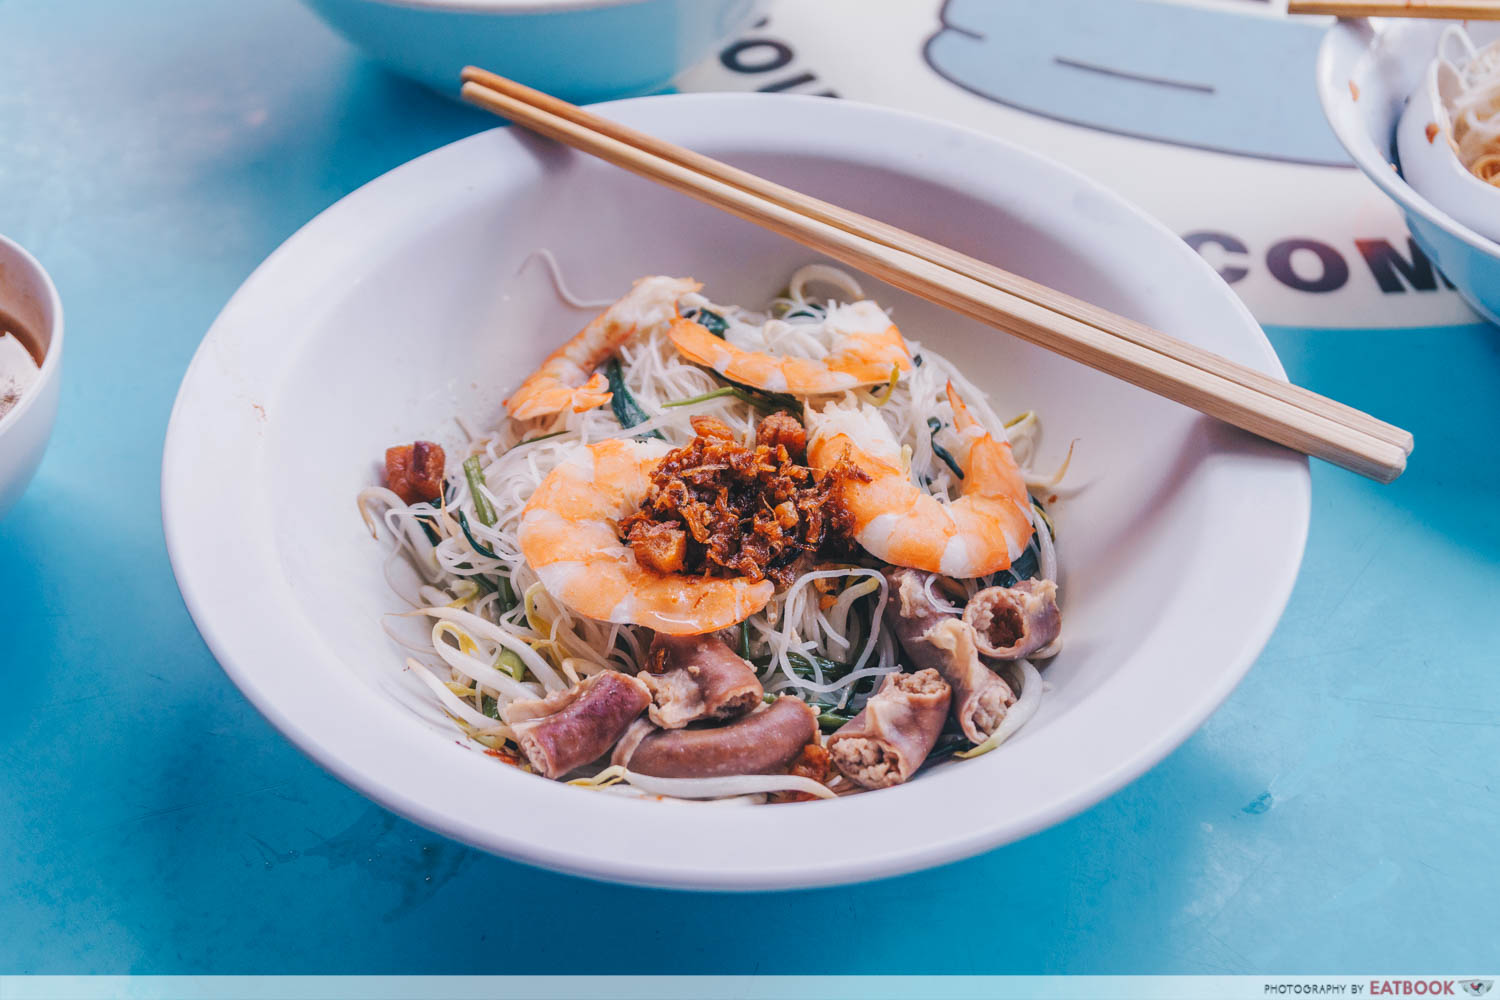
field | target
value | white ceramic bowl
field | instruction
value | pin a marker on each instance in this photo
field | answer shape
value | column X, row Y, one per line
column 1427, row 160
column 408, row 302
column 1387, row 63
column 580, row 50
column 27, row 293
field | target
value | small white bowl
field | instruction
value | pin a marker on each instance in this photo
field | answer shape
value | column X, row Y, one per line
column 1367, row 71
column 27, row 293
column 1428, row 162
column 580, row 50
column 411, row 301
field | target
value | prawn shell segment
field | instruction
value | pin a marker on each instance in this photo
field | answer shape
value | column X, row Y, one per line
column 568, row 535
column 895, row 520
column 866, row 346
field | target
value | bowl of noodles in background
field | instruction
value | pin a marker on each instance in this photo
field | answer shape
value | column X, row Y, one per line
column 1379, row 86
column 412, row 308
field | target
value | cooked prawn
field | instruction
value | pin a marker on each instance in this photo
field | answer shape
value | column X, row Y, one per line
column 981, row 532
column 866, row 346
column 567, row 377
column 569, row 536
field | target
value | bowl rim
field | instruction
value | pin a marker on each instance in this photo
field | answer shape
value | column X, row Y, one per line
column 52, row 359
column 195, row 566
column 1336, row 59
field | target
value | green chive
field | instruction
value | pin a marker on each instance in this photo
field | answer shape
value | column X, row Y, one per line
column 802, row 665
column 627, row 411
column 499, row 586
column 483, row 509
column 508, row 661
column 763, row 401
column 946, row 746
column 539, row 437
column 478, row 546
column 712, row 322
column 832, row 669
column 429, row 528
column 830, row 720
column 935, row 425
column 727, row 390
column 507, row 592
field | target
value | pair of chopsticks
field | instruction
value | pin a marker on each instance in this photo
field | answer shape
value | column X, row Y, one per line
column 1466, row 10
column 1207, row 382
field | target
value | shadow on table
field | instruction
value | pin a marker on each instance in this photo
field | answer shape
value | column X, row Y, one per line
column 29, row 593
column 1052, row 901
column 1443, row 385
column 304, row 157
column 1049, row 900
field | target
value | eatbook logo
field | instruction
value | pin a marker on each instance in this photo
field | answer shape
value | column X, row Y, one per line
column 1477, row 987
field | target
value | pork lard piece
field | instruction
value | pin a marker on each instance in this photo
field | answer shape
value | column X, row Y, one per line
column 1012, row 622
column 763, row 742
column 943, row 642
column 888, row 740
column 695, row 677
column 568, row 729
column 414, row 472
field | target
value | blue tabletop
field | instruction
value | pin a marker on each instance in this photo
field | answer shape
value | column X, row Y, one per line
column 1338, row 814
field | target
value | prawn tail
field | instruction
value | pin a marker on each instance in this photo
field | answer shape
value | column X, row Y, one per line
column 593, row 393
column 546, row 395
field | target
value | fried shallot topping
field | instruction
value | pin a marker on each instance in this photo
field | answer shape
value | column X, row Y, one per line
column 813, row 762
column 720, row 508
column 414, row 472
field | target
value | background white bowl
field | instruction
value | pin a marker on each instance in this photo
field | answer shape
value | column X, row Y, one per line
column 1426, row 157
column 580, row 50
column 27, row 293
column 409, row 301
column 1387, row 62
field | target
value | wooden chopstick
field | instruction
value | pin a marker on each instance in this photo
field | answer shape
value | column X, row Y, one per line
column 1210, row 393
column 979, row 270
column 1442, row 10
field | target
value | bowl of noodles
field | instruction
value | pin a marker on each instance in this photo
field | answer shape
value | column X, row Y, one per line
column 565, row 505
column 1417, row 105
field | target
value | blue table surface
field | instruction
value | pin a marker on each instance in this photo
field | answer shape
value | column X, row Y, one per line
column 1338, row 814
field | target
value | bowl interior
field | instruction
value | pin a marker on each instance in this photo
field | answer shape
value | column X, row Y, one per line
column 414, row 301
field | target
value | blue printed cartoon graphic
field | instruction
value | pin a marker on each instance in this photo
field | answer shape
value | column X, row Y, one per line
column 1214, row 77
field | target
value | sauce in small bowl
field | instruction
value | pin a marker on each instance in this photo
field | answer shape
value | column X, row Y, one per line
column 31, row 350
column 21, row 356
